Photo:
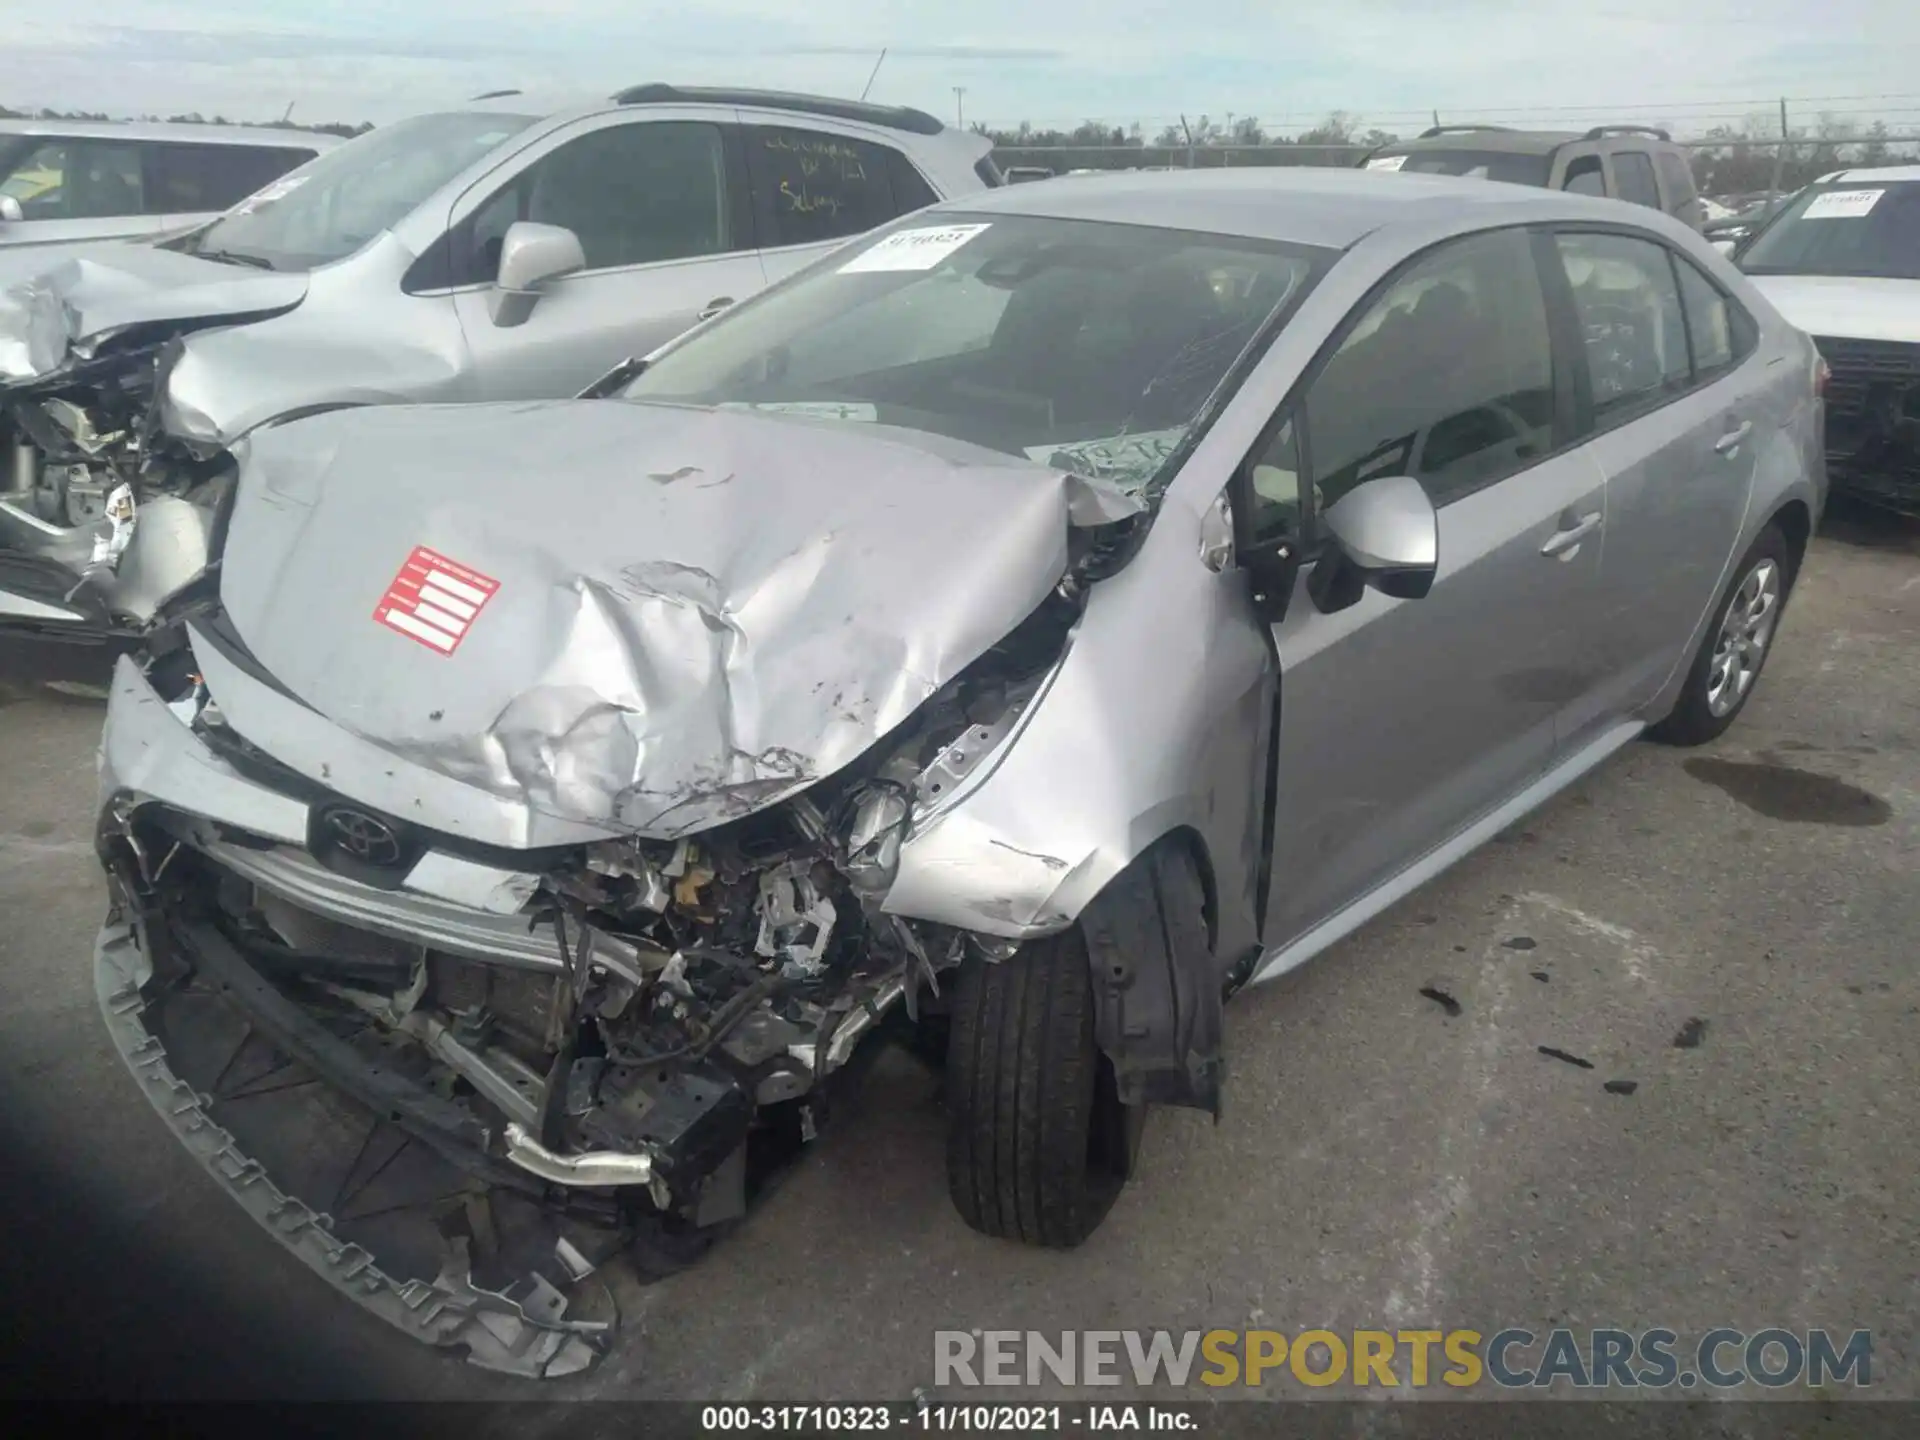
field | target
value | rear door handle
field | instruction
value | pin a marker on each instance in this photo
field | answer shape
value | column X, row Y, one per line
column 715, row 306
column 1730, row 441
column 1567, row 540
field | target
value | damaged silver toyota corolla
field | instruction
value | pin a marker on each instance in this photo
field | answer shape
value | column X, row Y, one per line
column 571, row 788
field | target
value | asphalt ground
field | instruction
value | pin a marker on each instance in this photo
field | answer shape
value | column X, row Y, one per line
column 1730, row 934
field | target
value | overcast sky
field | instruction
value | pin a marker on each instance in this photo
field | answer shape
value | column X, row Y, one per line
column 1049, row 61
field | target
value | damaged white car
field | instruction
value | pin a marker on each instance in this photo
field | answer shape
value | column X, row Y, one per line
column 1013, row 634
column 488, row 253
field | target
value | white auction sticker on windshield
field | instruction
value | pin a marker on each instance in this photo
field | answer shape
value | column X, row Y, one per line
column 1841, row 204
column 278, row 190
column 921, row 248
column 1387, row 162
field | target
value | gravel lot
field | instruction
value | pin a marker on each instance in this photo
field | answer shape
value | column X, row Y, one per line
column 1381, row 1162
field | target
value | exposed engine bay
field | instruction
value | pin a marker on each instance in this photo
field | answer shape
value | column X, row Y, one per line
column 90, row 466
column 652, row 1023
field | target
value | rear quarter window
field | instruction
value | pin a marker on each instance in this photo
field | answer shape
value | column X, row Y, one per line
column 811, row 186
column 190, row 179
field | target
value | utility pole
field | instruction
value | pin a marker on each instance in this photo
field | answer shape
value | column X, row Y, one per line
column 960, row 107
column 1780, row 150
column 1189, row 129
column 1436, row 119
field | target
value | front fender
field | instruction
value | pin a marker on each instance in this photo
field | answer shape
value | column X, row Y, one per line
column 1155, row 720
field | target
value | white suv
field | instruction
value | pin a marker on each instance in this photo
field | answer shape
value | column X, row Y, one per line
column 66, row 183
column 1842, row 262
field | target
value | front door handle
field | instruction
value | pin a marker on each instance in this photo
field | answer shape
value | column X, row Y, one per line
column 715, row 306
column 1565, row 541
column 1730, row 441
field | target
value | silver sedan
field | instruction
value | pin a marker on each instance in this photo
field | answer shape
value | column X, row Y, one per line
column 1014, row 633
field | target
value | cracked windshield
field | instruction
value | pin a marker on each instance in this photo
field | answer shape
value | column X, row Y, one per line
column 1090, row 347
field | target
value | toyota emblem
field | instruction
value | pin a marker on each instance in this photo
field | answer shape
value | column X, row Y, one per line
column 362, row 837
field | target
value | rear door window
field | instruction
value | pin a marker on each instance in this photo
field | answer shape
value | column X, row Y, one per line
column 1633, row 173
column 192, row 179
column 1628, row 306
column 1447, row 377
column 810, row 186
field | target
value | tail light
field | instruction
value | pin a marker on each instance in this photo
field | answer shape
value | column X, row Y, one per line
column 1822, row 373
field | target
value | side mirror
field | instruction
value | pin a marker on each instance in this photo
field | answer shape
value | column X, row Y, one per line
column 10, row 210
column 1386, row 534
column 530, row 256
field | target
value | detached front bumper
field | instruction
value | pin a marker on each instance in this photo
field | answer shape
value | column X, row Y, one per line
column 413, row 1206
column 385, row 1221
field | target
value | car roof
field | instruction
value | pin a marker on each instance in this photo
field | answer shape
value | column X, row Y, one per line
column 211, row 134
column 1304, row 205
column 1889, row 173
column 1491, row 138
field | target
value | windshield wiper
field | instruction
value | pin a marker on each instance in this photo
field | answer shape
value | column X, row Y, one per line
column 235, row 257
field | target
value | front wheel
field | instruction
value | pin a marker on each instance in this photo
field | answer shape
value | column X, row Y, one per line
column 1038, row 1141
column 1735, row 647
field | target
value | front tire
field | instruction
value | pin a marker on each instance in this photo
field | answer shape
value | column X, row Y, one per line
column 1038, row 1143
column 1727, row 666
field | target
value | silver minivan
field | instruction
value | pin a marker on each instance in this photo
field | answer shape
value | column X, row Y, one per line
column 71, row 183
column 487, row 253
column 1015, row 634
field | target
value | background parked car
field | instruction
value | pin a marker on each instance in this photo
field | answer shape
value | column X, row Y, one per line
column 482, row 254
column 1841, row 260
column 65, row 183
column 1729, row 233
column 1635, row 163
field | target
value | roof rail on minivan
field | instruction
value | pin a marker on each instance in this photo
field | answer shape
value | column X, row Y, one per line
column 1433, row 130
column 1600, row 132
column 893, row 117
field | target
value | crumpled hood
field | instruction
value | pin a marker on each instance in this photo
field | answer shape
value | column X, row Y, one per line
column 85, row 296
column 668, row 616
column 1846, row 307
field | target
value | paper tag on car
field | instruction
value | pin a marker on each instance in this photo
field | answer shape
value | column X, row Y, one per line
column 1124, row 459
column 1387, row 162
column 857, row 410
column 921, row 248
column 435, row 600
column 1841, row 204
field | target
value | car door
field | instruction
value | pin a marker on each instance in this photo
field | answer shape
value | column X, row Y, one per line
column 1403, row 721
column 74, row 190
column 659, row 206
column 1674, row 434
column 814, row 189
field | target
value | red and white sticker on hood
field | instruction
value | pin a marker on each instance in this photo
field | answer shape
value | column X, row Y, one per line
column 435, row 600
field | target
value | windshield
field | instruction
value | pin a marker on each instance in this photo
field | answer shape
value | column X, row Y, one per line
column 1474, row 164
column 330, row 207
column 1852, row 229
column 1093, row 347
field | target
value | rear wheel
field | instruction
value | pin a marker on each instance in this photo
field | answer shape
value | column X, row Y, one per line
column 1735, row 647
column 1039, row 1144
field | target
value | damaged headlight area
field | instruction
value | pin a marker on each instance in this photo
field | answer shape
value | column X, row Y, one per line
column 88, row 469
column 661, row 1023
